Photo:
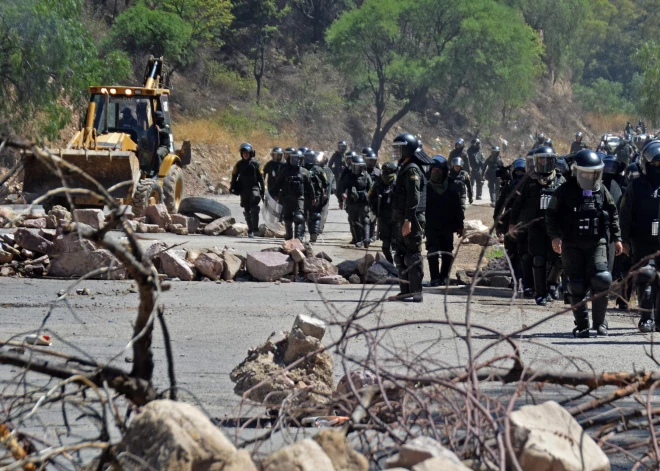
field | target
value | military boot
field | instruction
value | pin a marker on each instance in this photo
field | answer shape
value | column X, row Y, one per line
column 598, row 311
column 581, row 315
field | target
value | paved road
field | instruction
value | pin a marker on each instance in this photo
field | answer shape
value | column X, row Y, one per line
column 213, row 325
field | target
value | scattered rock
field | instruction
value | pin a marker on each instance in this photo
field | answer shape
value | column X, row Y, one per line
column 297, row 256
column 377, row 273
column 269, row 266
column 189, row 222
column 343, row 457
column 499, row 281
column 7, row 271
column 364, row 263
column 237, row 230
column 48, row 234
column 143, row 228
column 354, row 279
column 59, row 214
column 324, row 256
column 219, row 226
column 474, row 225
column 348, row 268
column 497, row 264
column 177, row 229
column 310, row 326
column 192, row 255
column 305, row 455
column 27, row 254
column 40, row 223
column 300, row 345
column 210, row 265
column 157, row 214
column 33, row 242
column 5, row 257
column 319, row 267
column 175, row 267
column 231, row 267
column 360, row 378
column 75, row 257
column 174, row 436
column 328, row 279
column 94, row 218
column 547, row 437
column 418, row 450
column 293, row 244
column 6, row 212
column 8, row 239
column 265, row 231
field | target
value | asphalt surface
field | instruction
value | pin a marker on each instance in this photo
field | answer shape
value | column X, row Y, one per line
column 213, row 325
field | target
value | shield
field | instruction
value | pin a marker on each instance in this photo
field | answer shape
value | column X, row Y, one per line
column 270, row 214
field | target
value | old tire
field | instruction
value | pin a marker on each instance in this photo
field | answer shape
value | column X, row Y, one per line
column 196, row 205
column 173, row 189
column 148, row 192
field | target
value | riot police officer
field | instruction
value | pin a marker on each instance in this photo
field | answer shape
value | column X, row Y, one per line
column 639, row 230
column 408, row 210
column 459, row 151
column 337, row 160
column 380, row 202
column 624, row 150
column 580, row 218
column 477, row 165
column 287, row 154
column 343, row 176
column 445, row 212
column 540, row 141
column 529, row 210
column 293, row 186
column 273, row 166
column 315, row 202
column 562, row 167
column 493, row 163
column 322, row 161
column 458, row 174
column 248, row 182
column 578, row 144
column 371, row 158
column 356, row 197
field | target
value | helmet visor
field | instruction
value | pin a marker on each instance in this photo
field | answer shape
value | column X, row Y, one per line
column 457, row 161
column 277, row 156
column 611, row 167
column 589, row 178
column 295, row 159
column 341, row 148
column 544, row 164
column 357, row 168
column 371, row 161
column 397, row 151
column 529, row 162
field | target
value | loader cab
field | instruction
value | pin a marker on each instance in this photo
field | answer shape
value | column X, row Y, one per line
column 129, row 111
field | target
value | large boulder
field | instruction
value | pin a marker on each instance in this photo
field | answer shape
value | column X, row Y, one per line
column 219, row 226
column 547, row 438
column 175, row 266
column 157, row 214
column 343, row 457
column 210, row 265
column 290, row 245
column 305, row 455
column 174, row 436
column 421, row 449
column 319, row 266
column 92, row 217
column 269, row 266
column 189, row 222
column 238, row 229
column 232, row 265
column 75, row 257
column 33, row 242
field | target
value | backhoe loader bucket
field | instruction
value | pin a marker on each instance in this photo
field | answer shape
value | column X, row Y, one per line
column 109, row 168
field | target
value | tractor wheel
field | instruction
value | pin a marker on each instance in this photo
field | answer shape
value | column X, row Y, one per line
column 173, row 189
column 148, row 192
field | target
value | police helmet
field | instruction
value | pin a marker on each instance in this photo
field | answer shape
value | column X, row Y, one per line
column 495, row 150
column 342, row 146
column 287, row 153
column 404, row 146
column 578, row 136
column 296, row 158
column 439, row 161
column 519, row 167
column 349, row 156
column 540, row 137
column 303, row 149
column 611, row 165
column 632, row 172
column 545, row 160
column 561, row 166
column 548, row 142
column 366, row 150
column 476, row 142
column 371, row 158
column 358, row 165
column 310, row 159
column 277, row 154
column 389, row 168
column 588, row 169
column 651, row 153
column 459, row 143
column 457, row 161
column 247, row 148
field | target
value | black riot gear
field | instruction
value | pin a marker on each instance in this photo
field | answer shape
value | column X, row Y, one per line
column 460, row 143
column 545, row 160
column 519, row 168
column 611, row 165
column 651, row 153
column 476, row 142
column 245, row 147
column 366, row 151
column 388, row 172
column 296, row 158
column 495, row 150
column 371, row 159
column 404, row 146
column 342, row 146
column 588, row 170
column 287, row 153
column 359, row 165
column 457, row 161
column 631, row 172
column 303, row 149
column 562, row 167
column 348, row 158
column 277, row 154
column 310, row 159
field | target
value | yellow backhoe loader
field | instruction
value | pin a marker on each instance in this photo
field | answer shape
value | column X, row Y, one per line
column 122, row 147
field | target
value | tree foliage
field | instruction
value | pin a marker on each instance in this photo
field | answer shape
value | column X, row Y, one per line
column 208, row 19
column 648, row 59
column 47, row 57
column 400, row 51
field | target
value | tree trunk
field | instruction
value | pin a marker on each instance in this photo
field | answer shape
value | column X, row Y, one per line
column 259, row 65
column 380, row 133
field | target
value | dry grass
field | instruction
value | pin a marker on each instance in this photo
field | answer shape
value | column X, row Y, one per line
column 611, row 122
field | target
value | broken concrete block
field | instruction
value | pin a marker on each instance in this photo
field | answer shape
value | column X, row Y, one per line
column 210, row 265
column 35, row 223
column 78, row 263
column 5, row 257
column 238, row 229
column 300, row 345
column 232, row 266
column 265, row 231
column 219, row 226
column 297, row 256
column 143, row 228
column 310, row 326
column 547, row 437
column 48, row 234
column 364, row 263
column 319, row 266
column 418, row 450
column 293, row 244
column 305, row 455
column 157, row 214
column 269, row 266
column 175, row 267
column 189, row 222
column 177, row 229
column 92, row 217
column 33, row 242
column 60, row 214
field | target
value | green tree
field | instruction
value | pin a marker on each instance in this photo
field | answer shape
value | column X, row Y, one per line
column 648, row 59
column 603, row 96
column 48, row 56
column 401, row 50
column 209, row 19
column 141, row 31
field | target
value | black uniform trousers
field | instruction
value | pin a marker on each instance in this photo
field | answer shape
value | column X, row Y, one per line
column 408, row 256
column 293, row 217
column 646, row 280
column 437, row 241
column 387, row 229
column 250, row 199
